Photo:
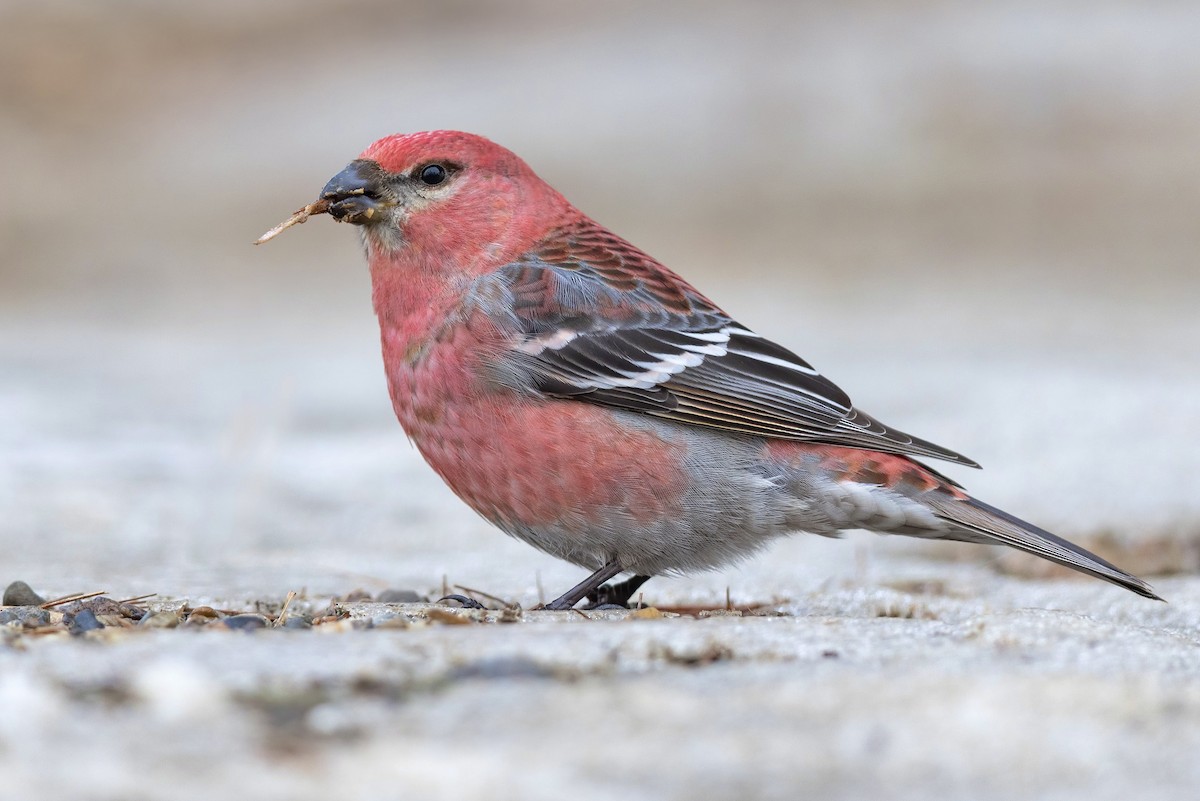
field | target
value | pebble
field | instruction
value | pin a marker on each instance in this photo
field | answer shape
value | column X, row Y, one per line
column 103, row 606
column 201, row 616
column 85, row 620
column 21, row 594
column 294, row 621
column 160, row 620
column 31, row 617
column 446, row 617
column 401, row 597
column 245, row 622
column 343, row 625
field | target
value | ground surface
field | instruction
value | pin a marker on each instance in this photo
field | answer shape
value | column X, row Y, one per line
column 964, row 686
column 979, row 219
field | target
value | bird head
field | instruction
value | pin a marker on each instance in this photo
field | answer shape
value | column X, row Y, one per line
column 439, row 191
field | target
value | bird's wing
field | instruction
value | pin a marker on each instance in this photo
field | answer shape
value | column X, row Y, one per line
column 602, row 322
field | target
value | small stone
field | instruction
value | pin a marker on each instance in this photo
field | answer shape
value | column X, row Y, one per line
column 200, row 616
column 160, row 620
column 21, row 594
column 103, row 606
column 293, row 621
column 245, row 622
column 30, row 617
column 646, row 613
column 357, row 595
column 337, row 625
column 446, row 617
column 85, row 620
column 401, row 597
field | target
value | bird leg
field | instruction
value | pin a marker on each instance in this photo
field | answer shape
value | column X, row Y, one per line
column 584, row 588
column 615, row 594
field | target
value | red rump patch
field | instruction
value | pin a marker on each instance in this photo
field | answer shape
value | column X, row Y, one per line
column 864, row 466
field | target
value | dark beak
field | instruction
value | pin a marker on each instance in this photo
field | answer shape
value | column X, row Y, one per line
column 358, row 194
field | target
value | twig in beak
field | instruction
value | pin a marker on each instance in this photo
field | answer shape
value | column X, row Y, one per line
column 320, row 207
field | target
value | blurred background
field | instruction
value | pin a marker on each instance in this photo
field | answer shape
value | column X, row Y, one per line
column 980, row 219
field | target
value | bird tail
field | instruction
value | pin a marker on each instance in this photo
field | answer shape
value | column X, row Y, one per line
column 979, row 522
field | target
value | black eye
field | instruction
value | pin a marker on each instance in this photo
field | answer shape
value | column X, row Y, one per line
column 432, row 174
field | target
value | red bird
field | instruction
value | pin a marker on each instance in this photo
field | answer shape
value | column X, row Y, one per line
column 589, row 401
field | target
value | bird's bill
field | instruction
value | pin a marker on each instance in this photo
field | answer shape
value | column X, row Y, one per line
column 356, row 195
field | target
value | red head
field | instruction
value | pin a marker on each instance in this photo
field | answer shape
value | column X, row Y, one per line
column 444, row 197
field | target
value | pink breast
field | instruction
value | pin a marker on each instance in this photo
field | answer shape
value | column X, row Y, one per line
column 531, row 461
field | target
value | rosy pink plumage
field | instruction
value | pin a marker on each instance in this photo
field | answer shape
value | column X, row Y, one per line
column 586, row 399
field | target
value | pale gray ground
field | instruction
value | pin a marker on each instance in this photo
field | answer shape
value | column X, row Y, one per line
column 980, row 220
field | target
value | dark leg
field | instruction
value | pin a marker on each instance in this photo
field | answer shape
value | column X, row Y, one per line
column 615, row 594
column 576, row 594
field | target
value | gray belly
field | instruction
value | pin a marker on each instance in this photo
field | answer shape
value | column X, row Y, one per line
column 733, row 506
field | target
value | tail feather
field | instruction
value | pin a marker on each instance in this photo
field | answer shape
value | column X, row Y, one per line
column 987, row 524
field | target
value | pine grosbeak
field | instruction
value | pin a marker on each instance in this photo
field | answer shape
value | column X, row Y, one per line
column 589, row 401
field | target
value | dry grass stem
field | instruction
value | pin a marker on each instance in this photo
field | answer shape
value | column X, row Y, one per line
column 320, row 207
column 137, row 599
column 282, row 616
column 66, row 599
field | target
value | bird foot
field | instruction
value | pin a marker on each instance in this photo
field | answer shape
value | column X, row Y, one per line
column 615, row 596
column 462, row 600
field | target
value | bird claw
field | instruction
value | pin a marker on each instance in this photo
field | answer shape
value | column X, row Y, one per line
column 615, row 596
column 463, row 601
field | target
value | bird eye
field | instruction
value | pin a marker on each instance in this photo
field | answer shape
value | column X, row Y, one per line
column 432, row 174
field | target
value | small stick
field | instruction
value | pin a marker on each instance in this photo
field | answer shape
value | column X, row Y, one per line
column 282, row 616
column 66, row 599
column 137, row 598
column 320, row 207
